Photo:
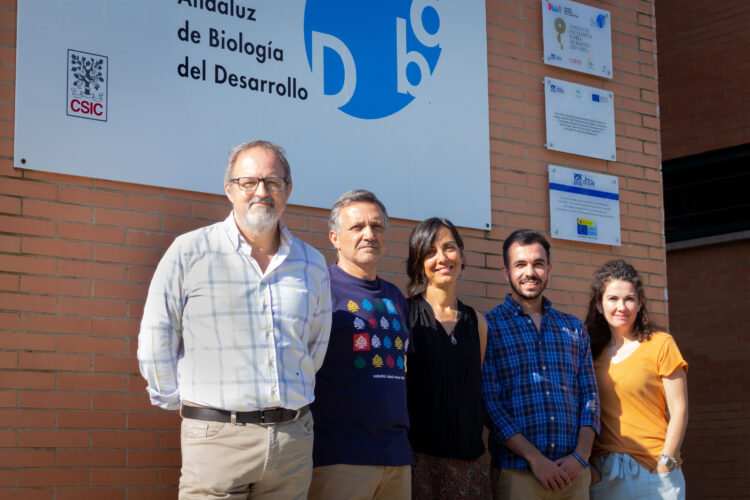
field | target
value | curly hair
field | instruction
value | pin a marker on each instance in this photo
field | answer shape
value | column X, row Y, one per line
column 420, row 243
column 596, row 323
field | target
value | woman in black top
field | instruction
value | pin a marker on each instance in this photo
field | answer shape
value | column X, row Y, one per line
column 444, row 374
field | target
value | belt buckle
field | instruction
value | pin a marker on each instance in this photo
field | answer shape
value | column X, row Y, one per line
column 263, row 416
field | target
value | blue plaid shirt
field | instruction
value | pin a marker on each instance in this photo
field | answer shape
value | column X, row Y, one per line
column 538, row 383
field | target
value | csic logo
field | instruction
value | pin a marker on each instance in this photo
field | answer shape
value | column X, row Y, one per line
column 87, row 85
column 372, row 57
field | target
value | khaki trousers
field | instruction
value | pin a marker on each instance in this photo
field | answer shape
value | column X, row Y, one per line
column 360, row 482
column 512, row 484
column 233, row 461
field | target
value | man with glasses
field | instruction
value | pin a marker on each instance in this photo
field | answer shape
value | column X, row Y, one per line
column 235, row 326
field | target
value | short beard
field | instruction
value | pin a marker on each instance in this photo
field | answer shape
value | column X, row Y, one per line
column 262, row 219
column 526, row 295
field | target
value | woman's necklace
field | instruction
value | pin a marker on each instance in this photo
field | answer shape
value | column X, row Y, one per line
column 452, row 319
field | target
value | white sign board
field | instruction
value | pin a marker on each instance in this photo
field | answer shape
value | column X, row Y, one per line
column 580, row 119
column 577, row 37
column 584, row 206
column 390, row 97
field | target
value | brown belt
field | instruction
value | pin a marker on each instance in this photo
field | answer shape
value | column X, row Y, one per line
column 269, row 416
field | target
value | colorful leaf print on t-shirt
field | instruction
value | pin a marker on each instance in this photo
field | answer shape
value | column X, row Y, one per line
column 373, row 322
column 387, row 343
column 379, row 305
column 399, row 343
column 375, row 342
column 396, row 325
column 389, row 361
column 367, row 305
column 362, row 342
column 360, row 362
column 384, row 323
column 390, row 306
column 377, row 361
column 359, row 323
column 352, row 306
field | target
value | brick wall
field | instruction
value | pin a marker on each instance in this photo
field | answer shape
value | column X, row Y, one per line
column 709, row 297
column 704, row 70
column 76, row 256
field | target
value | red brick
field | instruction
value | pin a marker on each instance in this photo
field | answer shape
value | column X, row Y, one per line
column 122, row 477
column 120, row 290
column 56, row 286
column 34, row 265
column 94, row 270
column 151, row 458
column 27, row 380
column 93, row 494
column 90, row 458
column 152, row 493
column 91, row 420
column 32, row 494
column 126, row 218
column 91, row 382
column 53, row 362
column 8, row 399
column 24, row 225
column 91, row 232
column 116, row 327
column 158, row 205
column 124, row 439
column 26, row 418
column 109, row 253
column 57, row 248
column 48, row 399
column 27, row 302
column 53, row 324
column 53, row 439
column 9, row 243
column 52, row 477
column 26, row 458
column 180, row 225
column 7, row 478
column 115, row 364
column 57, row 211
column 161, row 421
column 8, row 360
column 101, row 308
column 92, row 197
column 95, row 345
column 149, row 239
column 121, row 402
column 10, row 205
column 28, row 189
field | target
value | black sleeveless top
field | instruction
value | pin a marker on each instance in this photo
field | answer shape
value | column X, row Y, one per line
column 444, row 384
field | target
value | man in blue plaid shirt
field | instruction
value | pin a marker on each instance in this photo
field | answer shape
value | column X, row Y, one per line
column 538, row 384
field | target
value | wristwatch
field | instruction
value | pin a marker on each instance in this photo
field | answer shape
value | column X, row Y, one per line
column 670, row 462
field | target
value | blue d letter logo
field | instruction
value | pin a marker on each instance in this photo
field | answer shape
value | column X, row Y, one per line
column 370, row 59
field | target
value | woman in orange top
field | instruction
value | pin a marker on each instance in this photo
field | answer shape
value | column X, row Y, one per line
column 642, row 382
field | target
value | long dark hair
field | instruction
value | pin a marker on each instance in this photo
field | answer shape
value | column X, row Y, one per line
column 420, row 243
column 596, row 323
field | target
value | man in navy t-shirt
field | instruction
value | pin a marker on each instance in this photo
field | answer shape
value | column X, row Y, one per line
column 361, row 447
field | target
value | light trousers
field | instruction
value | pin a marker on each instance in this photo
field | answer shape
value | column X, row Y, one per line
column 361, row 482
column 625, row 479
column 241, row 461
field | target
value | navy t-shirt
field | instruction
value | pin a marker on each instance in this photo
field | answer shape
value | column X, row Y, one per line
column 360, row 410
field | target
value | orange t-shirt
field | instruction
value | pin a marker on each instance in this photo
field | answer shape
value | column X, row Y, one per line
column 633, row 405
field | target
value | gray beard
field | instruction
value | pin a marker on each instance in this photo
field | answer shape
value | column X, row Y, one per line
column 259, row 220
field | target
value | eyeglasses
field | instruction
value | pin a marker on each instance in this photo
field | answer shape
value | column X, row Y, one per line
column 250, row 184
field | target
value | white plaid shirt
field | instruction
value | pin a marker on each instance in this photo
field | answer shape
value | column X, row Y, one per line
column 218, row 332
